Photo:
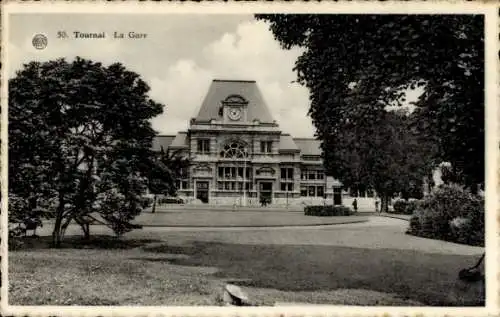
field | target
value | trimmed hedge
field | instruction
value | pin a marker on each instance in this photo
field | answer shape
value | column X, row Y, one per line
column 399, row 206
column 169, row 200
column 404, row 207
column 451, row 213
column 327, row 211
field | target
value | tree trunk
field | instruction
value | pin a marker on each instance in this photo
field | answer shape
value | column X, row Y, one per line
column 154, row 204
column 86, row 231
column 57, row 232
column 384, row 203
column 81, row 200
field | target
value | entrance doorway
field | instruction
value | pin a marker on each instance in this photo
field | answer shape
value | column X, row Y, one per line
column 337, row 196
column 266, row 193
column 202, row 191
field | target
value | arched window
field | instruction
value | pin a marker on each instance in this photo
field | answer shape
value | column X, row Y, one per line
column 235, row 99
column 234, row 150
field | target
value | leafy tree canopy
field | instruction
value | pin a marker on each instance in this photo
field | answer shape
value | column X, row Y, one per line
column 80, row 138
column 356, row 65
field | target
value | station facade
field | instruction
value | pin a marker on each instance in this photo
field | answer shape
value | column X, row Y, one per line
column 240, row 156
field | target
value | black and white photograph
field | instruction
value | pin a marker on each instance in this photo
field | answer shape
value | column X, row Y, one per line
column 155, row 156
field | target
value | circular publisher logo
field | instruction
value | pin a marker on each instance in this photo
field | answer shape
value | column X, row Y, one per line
column 39, row 41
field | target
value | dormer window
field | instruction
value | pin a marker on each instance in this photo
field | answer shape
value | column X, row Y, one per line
column 235, row 99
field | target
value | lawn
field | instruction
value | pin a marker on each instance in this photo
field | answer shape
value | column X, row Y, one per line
column 191, row 268
column 214, row 218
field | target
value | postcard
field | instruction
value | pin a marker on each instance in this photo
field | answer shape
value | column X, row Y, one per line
column 249, row 158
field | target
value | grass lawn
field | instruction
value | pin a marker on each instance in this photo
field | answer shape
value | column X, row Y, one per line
column 184, row 268
column 200, row 218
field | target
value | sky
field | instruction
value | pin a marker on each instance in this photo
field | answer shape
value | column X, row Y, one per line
column 178, row 59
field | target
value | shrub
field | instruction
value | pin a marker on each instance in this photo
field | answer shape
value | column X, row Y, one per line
column 118, row 209
column 147, row 201
column 450, row 213
column 327, row 211
column 399, row 206
column 405, row 207
column 412, row 206
column 24, row 217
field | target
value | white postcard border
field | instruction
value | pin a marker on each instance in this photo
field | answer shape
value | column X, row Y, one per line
column 491, row 85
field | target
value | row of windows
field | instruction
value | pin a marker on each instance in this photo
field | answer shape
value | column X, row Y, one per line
column 287, row 174
column 305, row 191
column 234, row 185
column 312, row 175
column 312, row 191
column 311, row 157
column 234, row 172
column 233, row 149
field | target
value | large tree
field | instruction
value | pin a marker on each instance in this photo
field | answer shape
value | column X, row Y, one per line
column 357, row 65
column 80, row 141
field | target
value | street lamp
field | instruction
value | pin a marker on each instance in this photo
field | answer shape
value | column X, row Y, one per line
column 287, row 198
column 244, row 187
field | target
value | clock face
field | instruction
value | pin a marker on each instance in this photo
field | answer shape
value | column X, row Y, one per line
column 234, row 113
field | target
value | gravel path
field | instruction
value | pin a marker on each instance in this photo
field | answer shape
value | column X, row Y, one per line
column 376, row 233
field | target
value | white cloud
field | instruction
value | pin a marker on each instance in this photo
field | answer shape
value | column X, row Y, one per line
column 249, row 53
column 181, row 91
column 179, row 59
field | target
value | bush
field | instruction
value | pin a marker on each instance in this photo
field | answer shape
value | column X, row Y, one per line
column 327, row 211
column 412, row 206
column 450, row 213
column 147, row 201
column 404, row 207
column 399, row 206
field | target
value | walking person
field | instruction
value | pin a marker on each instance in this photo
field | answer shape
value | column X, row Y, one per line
column 355, row 205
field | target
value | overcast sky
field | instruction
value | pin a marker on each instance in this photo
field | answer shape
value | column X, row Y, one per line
column 178, row 59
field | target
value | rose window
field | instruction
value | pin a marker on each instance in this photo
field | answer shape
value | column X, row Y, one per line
column 234, row 150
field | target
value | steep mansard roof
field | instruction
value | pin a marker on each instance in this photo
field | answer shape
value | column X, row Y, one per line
column 287, row 144
column 162, row 142
column 180, row 140
column 221, row 90
column 308, row 146
column 170, row 141
column 238, row 91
